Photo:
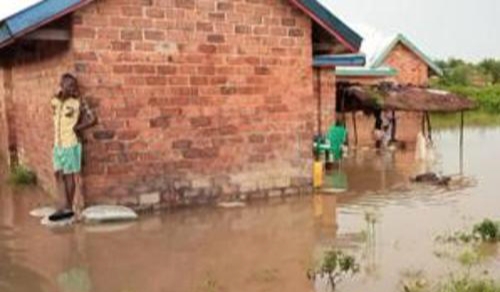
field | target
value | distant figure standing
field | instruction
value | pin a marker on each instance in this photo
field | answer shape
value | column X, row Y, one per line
column 71, row 116
column 378, row 133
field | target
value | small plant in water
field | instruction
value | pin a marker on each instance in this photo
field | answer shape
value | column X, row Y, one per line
column 21, row 175
column 335, row 266
column 210, row 285
column 466, row 283
column 414, row 281
column 487, row 230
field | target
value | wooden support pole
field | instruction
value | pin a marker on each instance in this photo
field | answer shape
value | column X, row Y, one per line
column 461, row 142
column 394, row 127
column 355, row 126
column 429, row 126
column 320, row 114
column 423, row 123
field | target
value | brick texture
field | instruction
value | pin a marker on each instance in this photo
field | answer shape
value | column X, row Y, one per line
column 197, row 100
column 411, row 69
column 4, row 142
column 35, row 77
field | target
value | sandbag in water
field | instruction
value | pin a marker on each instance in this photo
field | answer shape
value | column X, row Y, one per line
column 42, row 212
column 108, row 213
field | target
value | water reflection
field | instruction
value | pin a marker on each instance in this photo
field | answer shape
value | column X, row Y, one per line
column 377, row 215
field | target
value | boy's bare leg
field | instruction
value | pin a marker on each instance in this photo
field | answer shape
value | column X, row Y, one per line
column 69, row 190
column 62, row 200
column 78, row 201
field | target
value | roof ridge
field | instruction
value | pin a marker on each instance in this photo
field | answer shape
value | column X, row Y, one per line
column 401, row 38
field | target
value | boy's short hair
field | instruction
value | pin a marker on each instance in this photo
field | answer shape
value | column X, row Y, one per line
column 73, row 90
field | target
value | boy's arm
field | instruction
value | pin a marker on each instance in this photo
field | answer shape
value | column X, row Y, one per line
column 87, row 118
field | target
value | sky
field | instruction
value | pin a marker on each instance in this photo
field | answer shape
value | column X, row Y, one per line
column 467, row 29
column 8, row 7
column 441, row 28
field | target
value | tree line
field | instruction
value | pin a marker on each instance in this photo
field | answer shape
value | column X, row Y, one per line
column 479, row 81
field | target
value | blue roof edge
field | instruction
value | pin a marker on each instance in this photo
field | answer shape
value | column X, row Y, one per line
column 35, row 16
column 339, row 60
column 366, row 72
column 324, row 17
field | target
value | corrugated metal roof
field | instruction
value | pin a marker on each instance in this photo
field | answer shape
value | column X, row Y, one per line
column 325, row 18
column 366, row 71
column 339, row 60
column 34, row 17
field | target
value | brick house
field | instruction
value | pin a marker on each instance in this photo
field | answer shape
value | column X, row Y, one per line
column 197, row 100
column 401, row 62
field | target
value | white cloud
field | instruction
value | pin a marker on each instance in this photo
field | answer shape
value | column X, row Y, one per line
column 8, row 8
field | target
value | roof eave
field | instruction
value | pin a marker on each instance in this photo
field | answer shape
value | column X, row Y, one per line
column 34, row 17
column 339, row 60
column 366, row 73
column 325, row 18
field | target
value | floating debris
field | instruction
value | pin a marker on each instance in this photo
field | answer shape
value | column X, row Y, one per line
column 42, row 212
column 57, row 224
column 230, row 205
column 108, row 213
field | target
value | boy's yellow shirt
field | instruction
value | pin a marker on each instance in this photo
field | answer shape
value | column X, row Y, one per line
column 66, row 115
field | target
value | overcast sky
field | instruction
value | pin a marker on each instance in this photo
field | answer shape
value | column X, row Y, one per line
column 8, row 7
column 466, row 29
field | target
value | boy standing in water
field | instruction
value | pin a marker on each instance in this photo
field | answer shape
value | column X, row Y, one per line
column 71, row 116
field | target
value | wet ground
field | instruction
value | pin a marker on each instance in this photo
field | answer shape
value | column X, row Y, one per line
column 267, row 246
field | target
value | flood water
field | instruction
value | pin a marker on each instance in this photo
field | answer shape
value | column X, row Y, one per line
column 266, row 246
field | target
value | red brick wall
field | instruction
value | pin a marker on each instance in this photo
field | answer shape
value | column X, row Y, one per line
column 196, row 99
column 35, row 77
column 411, row 68
column 325, row 94
column 3, row 119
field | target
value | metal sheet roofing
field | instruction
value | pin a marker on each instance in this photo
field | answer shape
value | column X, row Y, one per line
column 325, row 18
column 339, row 60
column 34, row 17
column 366, row 71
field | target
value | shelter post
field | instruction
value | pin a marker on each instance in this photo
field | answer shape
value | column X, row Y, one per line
column 461, row 142
column 429, row 125
column 355, row 126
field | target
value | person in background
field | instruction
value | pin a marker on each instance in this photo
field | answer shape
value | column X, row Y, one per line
column 378, row 132
column 337, row 137
column 71, row 116
column 387, row 126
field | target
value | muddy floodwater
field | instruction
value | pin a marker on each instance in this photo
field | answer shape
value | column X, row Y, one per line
column 267, row 246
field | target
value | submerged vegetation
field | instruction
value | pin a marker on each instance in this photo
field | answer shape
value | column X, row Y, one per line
column 484, row 231
column 468, row 283
column 22, row 176
column 473, row 245
column 334, row 266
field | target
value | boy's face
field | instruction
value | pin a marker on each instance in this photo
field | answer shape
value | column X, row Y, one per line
column 67, row 86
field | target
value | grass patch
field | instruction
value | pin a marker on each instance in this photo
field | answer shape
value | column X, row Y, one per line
column 335, row 266
column 473, row 118
column 22, row 176
column 484, row 231
column 467, row 283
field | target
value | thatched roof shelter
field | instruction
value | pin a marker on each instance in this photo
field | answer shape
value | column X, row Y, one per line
column 401, row 98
